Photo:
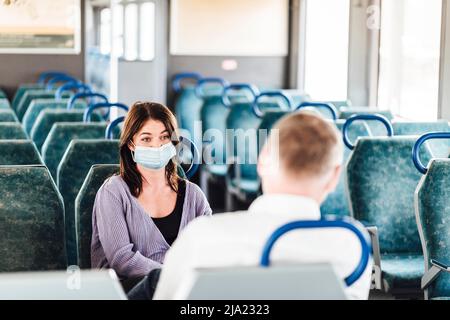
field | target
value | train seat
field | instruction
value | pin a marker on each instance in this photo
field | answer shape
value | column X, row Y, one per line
column 47, row 118
column 439, row 148
column 75, row 164
column 337, row 202
column 381, row 182
column 36, row 106
column 19, row 152
column 432, row 212
column 12, row 130
column 22, row 90
column 4, row 104
column 84, row 204
column 60, row 136
column 31, row 220
column 29, row 96
column 7, row 115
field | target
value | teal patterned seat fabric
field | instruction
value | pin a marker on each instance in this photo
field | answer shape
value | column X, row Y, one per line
column 376, row 127
column 12, row 130
column 343, row 104
column 337, row 202
column 7, row 115
column 48, row 117
column 84, row 205
column 4, row 104
column 60, row 136
column 269, row 119
column 213, row 115
column 73, row 169
column 22, row 90
column 31, row 220
column 19, row 152
column 402, row 270
column 244, row 125
column 432, row 213
column 296, row 96
column 187, row 110
column 37, row 105
column 440, row 148
column 2, row 94
column 28, row 97
column 381, row 181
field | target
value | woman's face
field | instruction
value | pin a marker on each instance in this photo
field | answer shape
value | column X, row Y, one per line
column 152, row 134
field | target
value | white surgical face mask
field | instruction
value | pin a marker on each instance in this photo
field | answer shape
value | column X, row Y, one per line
column 154, row 158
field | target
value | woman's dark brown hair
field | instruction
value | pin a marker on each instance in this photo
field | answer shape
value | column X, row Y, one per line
column 138, row 115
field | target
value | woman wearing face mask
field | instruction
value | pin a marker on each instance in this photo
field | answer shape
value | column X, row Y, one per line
column 138, row 214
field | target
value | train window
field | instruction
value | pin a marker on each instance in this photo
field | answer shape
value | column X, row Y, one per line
column 131, row 31
column 118, row 29
column 105, row 31
column 147, row 31
column 409, row 57
column 326, row 49
column 134, row 30
column 229, row 27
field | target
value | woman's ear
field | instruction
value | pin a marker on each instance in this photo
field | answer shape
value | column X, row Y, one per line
column 131, row 146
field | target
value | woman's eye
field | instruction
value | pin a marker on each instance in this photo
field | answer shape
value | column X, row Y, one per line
column 146, row 139
column 164, row 138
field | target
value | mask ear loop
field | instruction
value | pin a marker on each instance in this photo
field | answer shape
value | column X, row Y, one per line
column 132, row 152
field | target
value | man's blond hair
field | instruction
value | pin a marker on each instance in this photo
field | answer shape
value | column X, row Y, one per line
column 308, row 145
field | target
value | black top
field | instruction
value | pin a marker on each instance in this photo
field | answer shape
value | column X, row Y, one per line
column 170, row 224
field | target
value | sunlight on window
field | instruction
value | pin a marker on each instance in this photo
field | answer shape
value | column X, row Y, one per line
column 131, row 32
column 409, row 58
column 327, row 40
column 105, row 31
column 118, row 29
column 147, row 34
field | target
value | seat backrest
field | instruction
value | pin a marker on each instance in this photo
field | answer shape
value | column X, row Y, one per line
column 12, row 130
column 28, row 97
column 432, row 213
column 296, row 96
column 31, row 220
column 19, row 152
column 2, row 94
column 57, row 285
column 213, row 115
column 47, row 118
column 242, row 142
column 84, row 204
column 187, row 109
column 295, row 282
column 376, row 128
column 60, row 136
column 21, row 92
column 7, row 115
column 439, row 148
column 38, row 105
column 4, row 103
column 78, row 159
column 381, row 181
column 337, row 202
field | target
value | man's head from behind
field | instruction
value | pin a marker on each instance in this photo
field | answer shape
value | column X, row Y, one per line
column 302, row 156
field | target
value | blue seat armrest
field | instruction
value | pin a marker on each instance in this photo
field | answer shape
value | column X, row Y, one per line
column 432, row 273
column 376, row 281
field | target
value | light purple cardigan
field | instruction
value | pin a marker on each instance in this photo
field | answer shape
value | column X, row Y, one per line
column 124, row 236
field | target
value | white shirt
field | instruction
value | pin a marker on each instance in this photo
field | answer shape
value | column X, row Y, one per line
column 237, row 239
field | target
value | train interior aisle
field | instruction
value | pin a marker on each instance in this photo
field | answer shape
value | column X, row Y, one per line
column 80, row 79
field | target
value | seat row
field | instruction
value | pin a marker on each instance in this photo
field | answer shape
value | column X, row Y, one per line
column 378, row 184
